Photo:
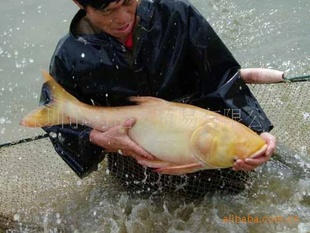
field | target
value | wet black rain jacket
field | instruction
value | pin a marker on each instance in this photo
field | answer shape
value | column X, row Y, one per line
column 176, row 56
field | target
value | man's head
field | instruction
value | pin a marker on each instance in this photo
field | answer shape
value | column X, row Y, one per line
column 115, row 17
column 96, row 4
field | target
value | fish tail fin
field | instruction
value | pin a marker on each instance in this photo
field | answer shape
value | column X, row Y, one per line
column 56, row 109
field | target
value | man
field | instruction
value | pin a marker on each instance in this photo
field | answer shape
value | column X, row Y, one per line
column 162, row 48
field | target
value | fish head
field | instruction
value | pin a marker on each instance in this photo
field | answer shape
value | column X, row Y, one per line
column 219, row 144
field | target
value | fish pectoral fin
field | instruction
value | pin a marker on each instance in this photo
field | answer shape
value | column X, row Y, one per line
column 143, row 100
column 180, row 169
column 169, row 168
column 152, row 163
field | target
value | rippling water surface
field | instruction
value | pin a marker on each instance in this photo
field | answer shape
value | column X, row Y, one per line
column 271, row 34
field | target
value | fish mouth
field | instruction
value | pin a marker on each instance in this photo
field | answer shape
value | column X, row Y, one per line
column 255, row 155
column 259, row 152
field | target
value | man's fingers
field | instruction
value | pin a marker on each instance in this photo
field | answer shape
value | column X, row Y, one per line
column 256, row 162
column 135, row 148
column 129, row 123
column 270, row 150
column 271, row 142
column 117, row 139
column 138, row 151
column 241, row 165
column 250, row 163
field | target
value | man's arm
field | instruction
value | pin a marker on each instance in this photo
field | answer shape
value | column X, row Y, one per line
column 261, row 76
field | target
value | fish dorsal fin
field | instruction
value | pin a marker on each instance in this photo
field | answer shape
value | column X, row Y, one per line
column 47, row 77
column 146, row 100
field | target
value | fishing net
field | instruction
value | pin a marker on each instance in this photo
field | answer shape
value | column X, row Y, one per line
column 35, row 183
column 288, row 108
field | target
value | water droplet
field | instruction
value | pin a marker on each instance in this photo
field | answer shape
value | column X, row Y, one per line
column 16, row 217
column 53, row 135
column 2, row 131
column 2, row 120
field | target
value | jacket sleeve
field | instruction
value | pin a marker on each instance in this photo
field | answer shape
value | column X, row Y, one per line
column 71, row 142
column 220, row 87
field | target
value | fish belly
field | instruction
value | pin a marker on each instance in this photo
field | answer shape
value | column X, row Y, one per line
column 167, row 142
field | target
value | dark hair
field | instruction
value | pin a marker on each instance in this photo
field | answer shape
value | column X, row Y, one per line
column 97, row 4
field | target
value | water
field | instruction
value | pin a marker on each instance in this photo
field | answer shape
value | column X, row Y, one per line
column 29, row 32
column 271, row 34
column 264, row 33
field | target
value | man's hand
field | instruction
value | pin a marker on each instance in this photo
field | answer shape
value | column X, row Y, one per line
column 116, row 139
column 251, row 163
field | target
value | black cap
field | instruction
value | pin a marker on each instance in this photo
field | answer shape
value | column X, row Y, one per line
column 97, row 4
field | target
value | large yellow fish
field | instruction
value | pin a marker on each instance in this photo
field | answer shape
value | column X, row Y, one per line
column 183, row 138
